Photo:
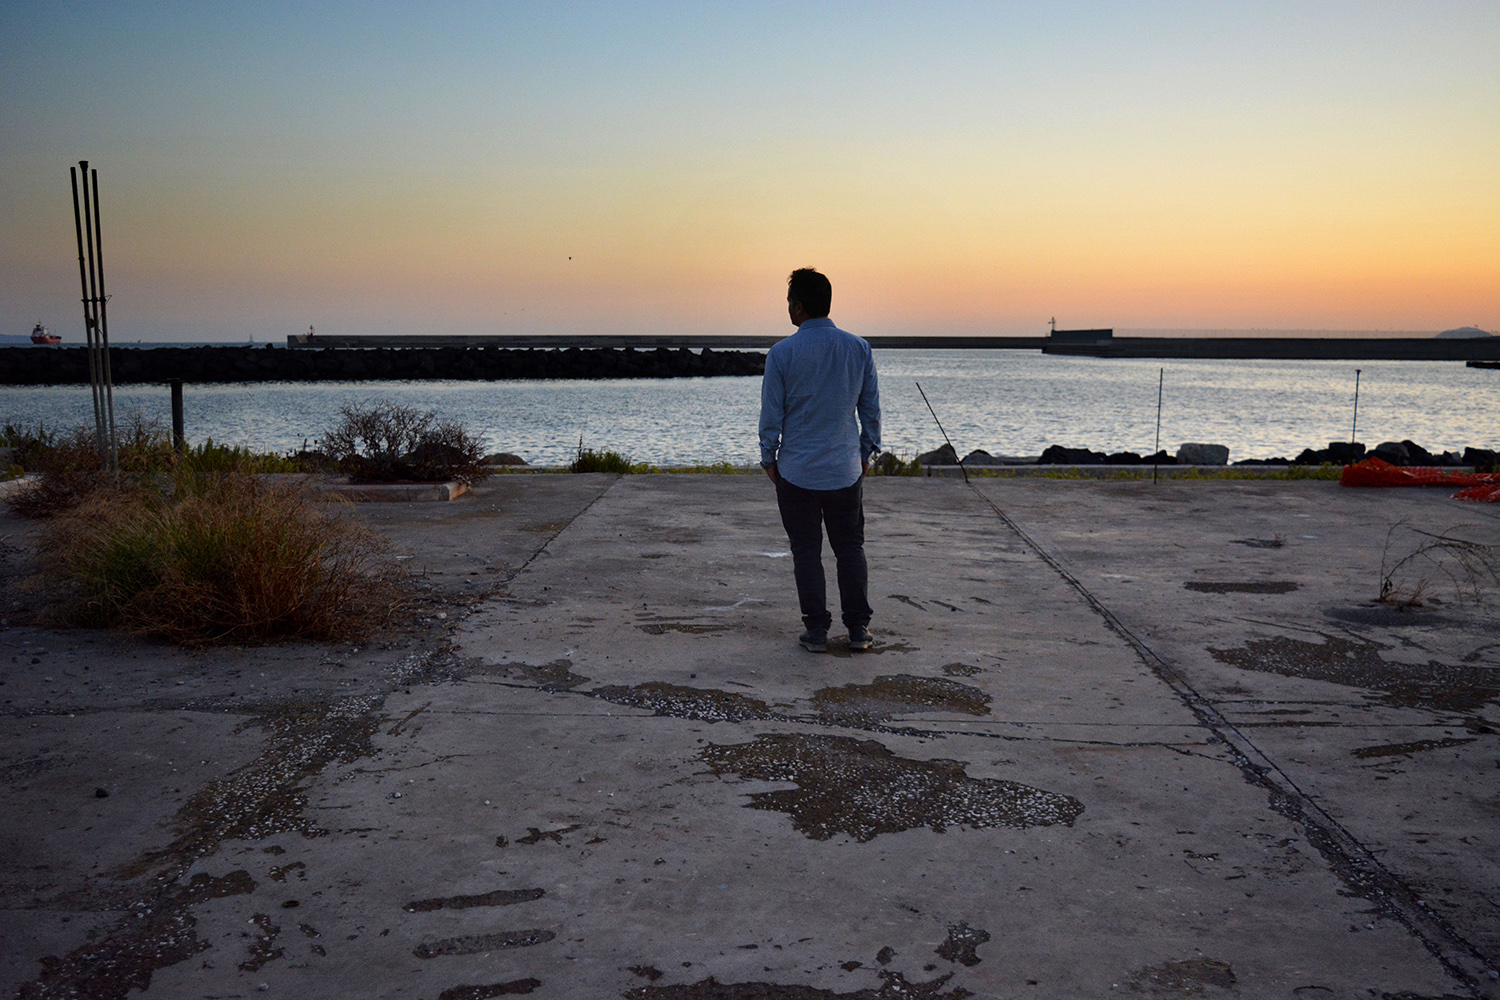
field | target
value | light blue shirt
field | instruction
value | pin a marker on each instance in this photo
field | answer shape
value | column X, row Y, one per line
column 817, row 381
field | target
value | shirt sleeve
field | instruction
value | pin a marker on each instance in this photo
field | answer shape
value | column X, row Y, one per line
column 772, row 409
column 868, row 409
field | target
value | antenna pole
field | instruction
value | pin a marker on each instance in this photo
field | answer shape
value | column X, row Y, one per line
column 1161, row 378
column 1354, row 427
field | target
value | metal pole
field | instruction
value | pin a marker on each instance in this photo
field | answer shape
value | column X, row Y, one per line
column 109, row 382
column 88, row 318
column 1161, row 378
column 179, row 440
column 1354, row 427
column 944, row 433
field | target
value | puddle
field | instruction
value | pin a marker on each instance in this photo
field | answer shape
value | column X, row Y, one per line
column 863, row 705
column 961, row 942
column 478, row 944
column 512, row 988
column 702, row 704
column 1185, row 979
column 1402, row 749
column 500, row 897
column 1247, row 587
column 1431, row 685
column 862, row 789
column 154, row 936
column 893, row 986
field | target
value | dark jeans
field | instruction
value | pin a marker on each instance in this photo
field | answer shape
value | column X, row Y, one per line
column 803, row 514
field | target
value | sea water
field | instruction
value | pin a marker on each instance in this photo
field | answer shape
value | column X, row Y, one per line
column 1006, row 402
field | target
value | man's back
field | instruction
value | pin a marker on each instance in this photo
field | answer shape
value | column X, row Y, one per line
column 815, row 381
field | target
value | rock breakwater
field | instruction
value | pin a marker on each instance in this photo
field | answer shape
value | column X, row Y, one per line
column 33, row 366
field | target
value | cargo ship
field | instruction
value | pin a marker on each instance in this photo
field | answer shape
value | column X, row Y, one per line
column 41, row 335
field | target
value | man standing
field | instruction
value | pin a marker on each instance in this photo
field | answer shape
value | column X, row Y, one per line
column 816, row 382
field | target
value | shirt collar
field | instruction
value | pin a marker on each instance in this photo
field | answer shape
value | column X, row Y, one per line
column 816, row 322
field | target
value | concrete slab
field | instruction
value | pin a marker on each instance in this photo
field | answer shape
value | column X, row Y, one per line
column 611, row 772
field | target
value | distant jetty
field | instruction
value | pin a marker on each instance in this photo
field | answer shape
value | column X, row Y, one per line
column 69, row 366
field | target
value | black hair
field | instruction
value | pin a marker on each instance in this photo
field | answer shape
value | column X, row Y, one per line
column 812, row 289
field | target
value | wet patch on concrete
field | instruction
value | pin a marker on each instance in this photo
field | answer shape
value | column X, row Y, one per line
column 862, row 789
column 650, row 973
column 702, row 704
column 513, row 988
column 1432, row 685
column 500, row 897
column 536, row 836
column 864, row 705
column 1187, row 978
column 262, row 947
column 1242, row 587
column 893, row 986
column 961, row 670
column 267, row 796
column 478, row 944
column 961, row 944
column 1261, row 543
column 153, row 936
column 1386, row 615
column 841, row 649
column 906, row 600
column 551, row 677
column 1403, row 749
column 691, row 628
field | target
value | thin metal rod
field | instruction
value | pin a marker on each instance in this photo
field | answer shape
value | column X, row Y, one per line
column 109, row 381
column 1354, row 427
column 1161, row 378
column 179, row 439
column 943, row 432
column 88, row 318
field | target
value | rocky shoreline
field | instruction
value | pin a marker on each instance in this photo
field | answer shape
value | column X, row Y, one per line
column 1402, row 453
column 69, row 365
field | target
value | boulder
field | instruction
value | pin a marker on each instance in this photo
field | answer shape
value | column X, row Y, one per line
column 1392, row 451
column 1417, row 455
column 1345, row 452
column 1202, row 454
column 504, row 458
column 1481, row 458
column 939, row 456
column 1123, row 458
column 1056, row 454
column 980, row 457
column 1451, row 458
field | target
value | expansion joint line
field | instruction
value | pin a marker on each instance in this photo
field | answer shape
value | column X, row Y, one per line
column 1349, row 859
column 545, row 545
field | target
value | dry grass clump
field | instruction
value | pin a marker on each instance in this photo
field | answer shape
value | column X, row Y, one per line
column 223, row 558
column 69, row 469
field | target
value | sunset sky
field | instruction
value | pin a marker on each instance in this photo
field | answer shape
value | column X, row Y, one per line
column 659, row 168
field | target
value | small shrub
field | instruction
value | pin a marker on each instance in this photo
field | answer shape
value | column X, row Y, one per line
column 383, row 442
column 235, row 561
column 589, row 460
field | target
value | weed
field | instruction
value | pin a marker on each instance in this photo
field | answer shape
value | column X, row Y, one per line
column 227, row 558
column 889, row 464
column 1467, row 565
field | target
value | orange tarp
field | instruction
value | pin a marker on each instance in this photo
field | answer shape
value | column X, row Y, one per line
column 1481, row 486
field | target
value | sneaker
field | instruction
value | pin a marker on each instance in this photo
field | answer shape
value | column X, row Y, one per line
column 814, row 640
column 860, row 637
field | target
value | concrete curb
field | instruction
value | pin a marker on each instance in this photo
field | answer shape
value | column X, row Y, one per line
column 396, row 492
